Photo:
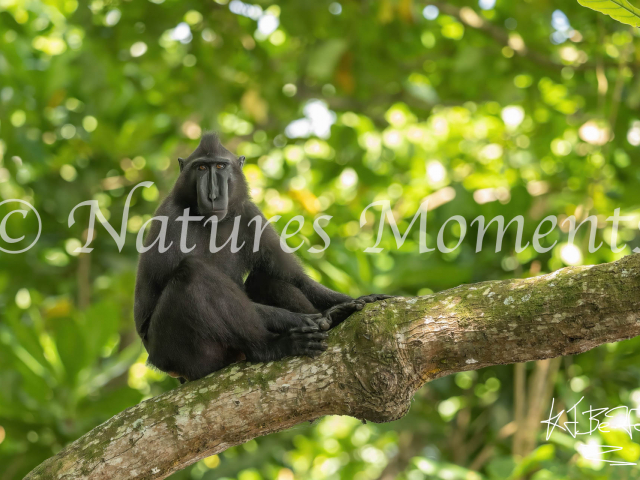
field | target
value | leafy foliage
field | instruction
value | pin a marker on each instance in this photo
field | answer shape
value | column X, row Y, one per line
column 489, row 108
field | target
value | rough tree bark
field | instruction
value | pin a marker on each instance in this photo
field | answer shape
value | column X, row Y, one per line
column 376, row 361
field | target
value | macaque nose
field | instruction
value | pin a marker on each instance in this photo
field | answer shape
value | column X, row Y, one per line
column 213, row 191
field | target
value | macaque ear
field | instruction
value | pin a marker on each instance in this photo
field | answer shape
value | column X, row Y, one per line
column 241, row 160
column 181, row 163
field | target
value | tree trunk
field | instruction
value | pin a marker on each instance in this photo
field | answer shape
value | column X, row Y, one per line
column 376, row 361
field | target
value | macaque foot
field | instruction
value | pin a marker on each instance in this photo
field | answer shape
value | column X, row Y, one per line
column 307, row 341
column 374, row 297
column 317, row 320
column 339, row 313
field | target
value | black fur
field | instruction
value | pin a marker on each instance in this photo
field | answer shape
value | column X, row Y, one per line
column 194, row 312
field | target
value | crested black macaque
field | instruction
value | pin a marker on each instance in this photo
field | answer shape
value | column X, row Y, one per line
column 193, row 311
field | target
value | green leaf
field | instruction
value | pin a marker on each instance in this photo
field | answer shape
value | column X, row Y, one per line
column 619, row 10
column 99, row 323
column 71, row 347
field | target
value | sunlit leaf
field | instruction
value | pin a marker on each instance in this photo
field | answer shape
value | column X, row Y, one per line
column 620, row 10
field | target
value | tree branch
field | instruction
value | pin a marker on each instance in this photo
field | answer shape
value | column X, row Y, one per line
column 376, row 361
column 470, row 18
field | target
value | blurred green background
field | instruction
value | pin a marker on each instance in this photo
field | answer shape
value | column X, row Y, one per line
column 492, row 108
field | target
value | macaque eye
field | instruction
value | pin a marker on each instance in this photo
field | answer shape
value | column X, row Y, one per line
column 202, row 167
column 220, row 166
